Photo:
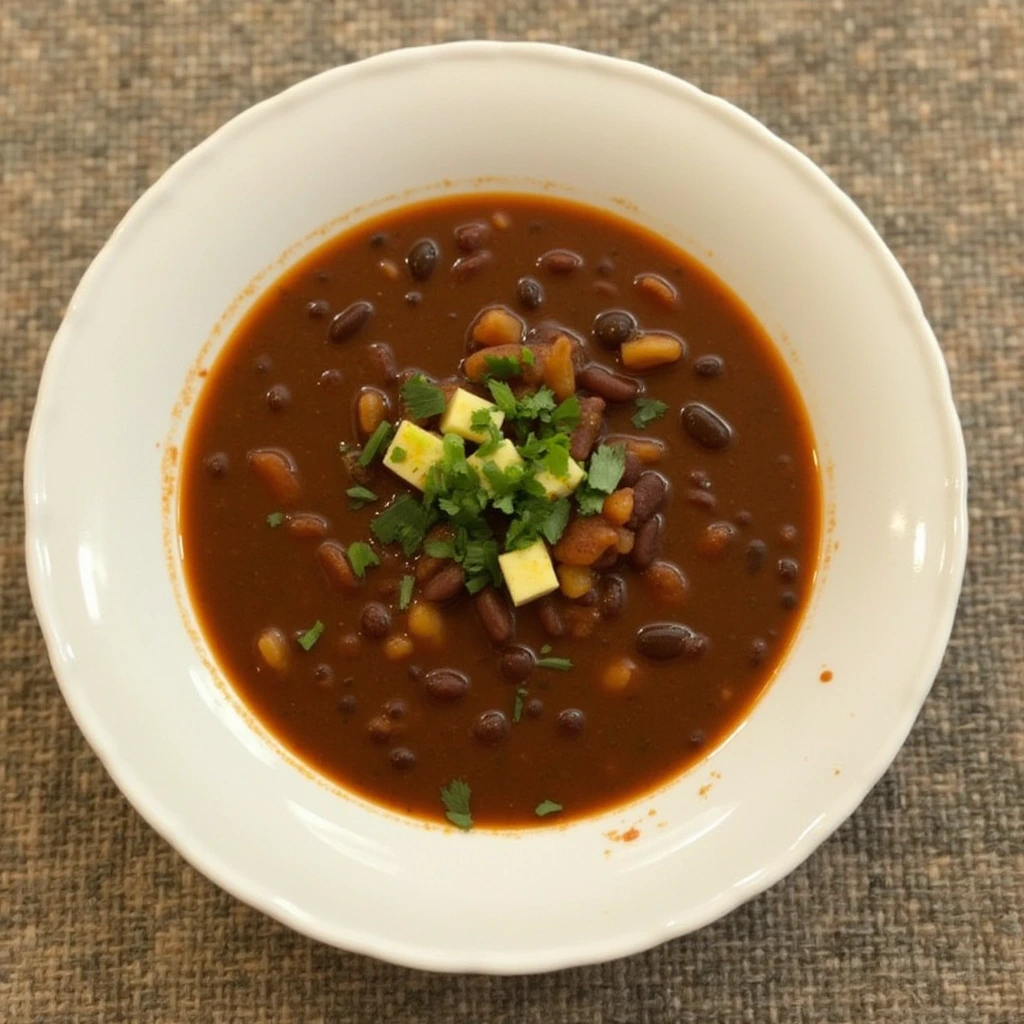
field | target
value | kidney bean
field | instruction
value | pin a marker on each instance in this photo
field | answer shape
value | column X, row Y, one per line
column 709, row 367
column 706, row 427
column 647, row 545
column 613, row 596
column 560, row 261
column 663, row 641
column 530, row 292
column 445, row 584
column 607, row 561
column 614, row 327
column 701, row 499
column 570, row 722
column 534, row 707
column 307, row 525
column 517, row 663
column 550, row 616
column 381, row 359
column 491, row 727
column 649, row 494
column 611, row 386
column 788, row 569
column 350, row 321
column 277, row 471
column 495, row 615
column 422, row 259
column 446, row 684
column 633, row 468
column 467, row 267
column 588, row 430
column 375, row 620
column 472, row 236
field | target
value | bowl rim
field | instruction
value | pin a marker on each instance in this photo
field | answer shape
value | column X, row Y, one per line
column 857, row 783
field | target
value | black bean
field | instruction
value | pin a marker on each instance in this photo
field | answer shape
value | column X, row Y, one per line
column 787, row 534
column 350, row 321
column 413, row 298
column 560, row 261
column 709, row 366
column 217, row 465
column 789, row 600
column 445, row 584
column 263, row 364
column 570, row 722
column 743, row 518
column 332, row 378
column 318, row 309
column 348, row 704
column 755, row 555
column 323, row 674
column 663, row 641
column 375, row 620
column 381, row 359
column 701, row 499
column 613, row 327
column 758, row 650
column 467, row 267
column 395, row 709
column 606, row 266
column 278, row 398
column 495, row 615
column 788, row 569
column 530, row 292
column 422, row 259
column 697, row 738
column 378, row 240
column 446, row 684
column 491, row 727
column 613, row 596
column 472, row 236
column 517, row 664
column 647, row 544
column 707, row 428
column 402, row 759
column 609, row 385
column 534, row 707
column 415, row 672
column 379, row 729
column 649, row 494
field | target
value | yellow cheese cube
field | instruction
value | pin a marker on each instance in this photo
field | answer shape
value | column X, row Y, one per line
column 422, row 450
column 458, row 417
column 503, row 456
column 528, row 573
column 561, row 487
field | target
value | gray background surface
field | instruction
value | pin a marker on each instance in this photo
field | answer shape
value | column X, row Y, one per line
column 914, row 911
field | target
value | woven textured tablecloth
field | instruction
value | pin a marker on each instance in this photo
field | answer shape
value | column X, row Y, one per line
column 914, row 911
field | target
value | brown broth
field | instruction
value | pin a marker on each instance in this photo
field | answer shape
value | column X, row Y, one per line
column 244, row 575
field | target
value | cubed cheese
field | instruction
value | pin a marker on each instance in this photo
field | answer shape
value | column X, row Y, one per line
column 561, row 487
column 422, row 450
column 458, row 417
column 503, row 456
column 528, row 573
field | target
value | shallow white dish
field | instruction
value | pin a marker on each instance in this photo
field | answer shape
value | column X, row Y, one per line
column 165, row 293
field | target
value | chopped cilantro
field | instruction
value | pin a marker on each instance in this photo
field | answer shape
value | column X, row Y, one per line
column 360, row 496
column 567, row 416
column 310, row 637
column 537, row 517
column 546, row 807
column 607, row 465
column 526, row 356
column 588, row 501
column 503, row 397
column 493, row 440
column 405, row 521
column 647, row 411
column 504, row 367
column 377, row 440
column 398, row 454
column 520, row 701
column 422, row 399
column 440, row 548
column 480, row 419
column 275, row 519
column 546, row 649
column 455, row 798
column 559, row 664
column 538, row 405
column 361, row 556
column 405, row 592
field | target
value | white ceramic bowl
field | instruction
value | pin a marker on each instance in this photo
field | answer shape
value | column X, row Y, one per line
column 162, row 297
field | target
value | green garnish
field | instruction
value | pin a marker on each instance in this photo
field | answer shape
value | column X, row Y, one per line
column 310, row 637
column 546, row 807
column 360, row 496
column 588, row 501
column 376, row 441
column 405, row 589
column 606, row 467
column 455, row 797
column 559, row 664
column 503, row 397
column 567, row 416
column 517, row 706
column 422, row 399
column 647, row 411
column 546, row 649
column 398, row 454
column 405, row 521
column 505, row 367
column 361, row 556
column 275, row 519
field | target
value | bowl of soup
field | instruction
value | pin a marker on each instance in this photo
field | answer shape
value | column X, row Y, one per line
column 494, row 507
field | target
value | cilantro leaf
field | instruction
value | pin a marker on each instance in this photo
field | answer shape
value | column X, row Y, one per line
column 398, row 454
column 546, row 807
column 310, row 637
column 377, row 440
column 607, row 465
column 440, row 548
column 275, row 519
column 556, row 522
column 422, row 399
column 647, row 411
column 535, row 406
column 567, row 416
column 503, row 367
column 559, row 664
column 589, row 501
column 455, row 798
column 361, row 556
column 360, row 496
column 405, row 521
column 405, row 589
column 503, row 397
column 518, row 704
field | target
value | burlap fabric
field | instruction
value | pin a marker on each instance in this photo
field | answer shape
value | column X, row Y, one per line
column 913, row 912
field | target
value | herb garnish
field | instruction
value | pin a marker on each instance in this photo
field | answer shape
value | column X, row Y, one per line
column 647, row 411
column 546, row 807
column 605, row 471
column 377, row 440
column 405, row 589
column 455, row 797
column 422, row 399
column 398, row 454
column 361, row 556
column 360, row 496
column 405, row 521
column 275, row 519
column 559, row 664
column 517, row 706
column 310, row 637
